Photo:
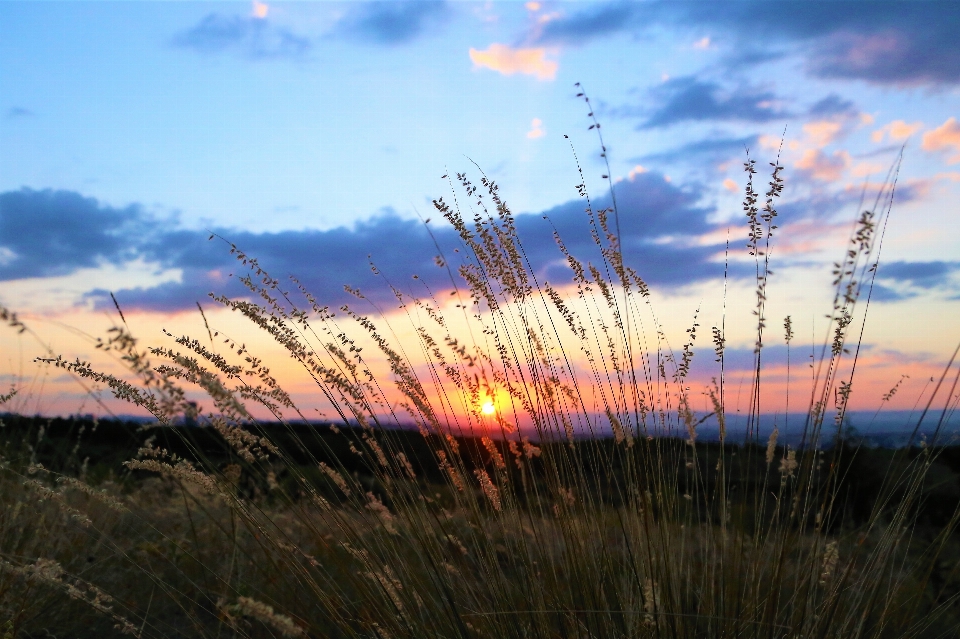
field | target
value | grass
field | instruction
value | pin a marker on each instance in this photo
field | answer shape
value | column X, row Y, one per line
column 583, row 505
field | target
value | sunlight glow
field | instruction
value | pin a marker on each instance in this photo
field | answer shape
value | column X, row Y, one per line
column 488, row 408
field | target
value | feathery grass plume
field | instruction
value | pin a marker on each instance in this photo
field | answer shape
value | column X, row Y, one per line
column 492, row 492
column 265, row 614
column 772, row 445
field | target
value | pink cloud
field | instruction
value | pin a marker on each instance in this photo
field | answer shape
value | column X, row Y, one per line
column 505, row 60
column 822, row 132
column 260, row 9
column 944, row 137
column 536, row 129
column 898, row 130
column 864, row 169
column 821, row 166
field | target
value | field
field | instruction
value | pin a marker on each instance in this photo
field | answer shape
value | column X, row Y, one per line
column 526, row 465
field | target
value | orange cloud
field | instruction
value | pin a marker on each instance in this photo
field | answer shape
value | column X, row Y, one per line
column 822, row 132
column 898, row 130
column 702, row 44
column 536, row 129
column 773, row 143
column 730, row 185
column 503, row 59
column 946, row 136
column 821, row 166
column 260, row 9
column 635, row 171
column 866, row 168
column 532, row 6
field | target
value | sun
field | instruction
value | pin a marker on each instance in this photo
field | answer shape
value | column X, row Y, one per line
column 488, row 408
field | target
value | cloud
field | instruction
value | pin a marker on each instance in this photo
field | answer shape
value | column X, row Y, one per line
column 260, row 9
column 536, row 129
column 505, row 60
column 51, row 233
column 897, row 130
column 689, row 99
column 888, row 57
column 925, row 275
column 833, row 117
column 585, row 25
column 882, row 293
column 323, row 261
column 702, row 44
column 392, row 22
column 18, row 112
column 820, row 166
column 253, row 37
column 946, row 136
column 667, row 235
column 882, row 42
column 833, row 105
column 822, row 132
column 902, row 280
column 712, row 149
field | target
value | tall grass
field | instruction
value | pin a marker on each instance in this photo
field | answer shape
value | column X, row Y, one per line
column 558, row 488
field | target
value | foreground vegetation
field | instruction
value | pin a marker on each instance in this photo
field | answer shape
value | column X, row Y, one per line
column 536, row 497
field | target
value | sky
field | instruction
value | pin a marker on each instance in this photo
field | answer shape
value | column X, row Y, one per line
column 314, row 134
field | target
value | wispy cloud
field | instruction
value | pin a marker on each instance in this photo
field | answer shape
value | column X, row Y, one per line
column 507, row 60
column 582, row 26
column 252, row 36
column 902, row 280
column 832, row 118
column 833, row 106
column 536, row 129
column 691, row 99
column 392, row 22
column 18, row 112
column 822, row 132
column 260, row 9
column 820, row 166
column 710, row 150
column 896, row 130
column 944, row 137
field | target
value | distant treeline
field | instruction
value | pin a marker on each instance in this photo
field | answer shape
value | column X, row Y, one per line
column 97, row 449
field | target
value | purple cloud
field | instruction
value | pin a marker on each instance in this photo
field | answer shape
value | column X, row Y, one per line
column 882, row 42
column 249, row 36
column 44, row 233
column 391, row 23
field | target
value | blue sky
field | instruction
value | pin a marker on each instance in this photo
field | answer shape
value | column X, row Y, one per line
column 312, row 134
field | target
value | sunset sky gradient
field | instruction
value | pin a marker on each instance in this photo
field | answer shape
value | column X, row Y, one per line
column 314, row 134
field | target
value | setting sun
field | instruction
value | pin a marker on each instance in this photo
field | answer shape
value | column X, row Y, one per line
column 488, row 408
